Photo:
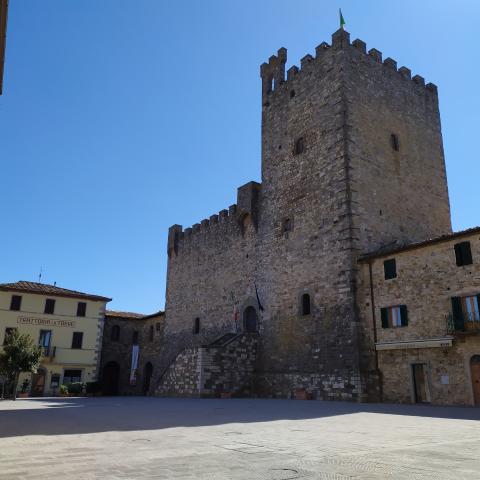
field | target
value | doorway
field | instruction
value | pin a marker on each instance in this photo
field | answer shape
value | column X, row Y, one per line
column 420, row 383
column 475, row 373
column 110, row 377
column 38, row 382
column 147, row 376
column 250, row 319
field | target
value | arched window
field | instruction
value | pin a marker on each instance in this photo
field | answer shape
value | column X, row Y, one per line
column 306, row 308
column 196, row 326
column 151, row 333
column 115, row 333
column 135, row 337
column 299, row 146
column 250, row 319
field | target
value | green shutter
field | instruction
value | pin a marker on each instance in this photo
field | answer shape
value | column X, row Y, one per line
column 384, row 312
column 458, row 320
column 404, row 315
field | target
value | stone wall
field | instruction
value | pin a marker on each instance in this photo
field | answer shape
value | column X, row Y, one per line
column 427, row 278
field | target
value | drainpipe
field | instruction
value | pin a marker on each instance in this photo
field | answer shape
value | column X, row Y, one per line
column 374, row 321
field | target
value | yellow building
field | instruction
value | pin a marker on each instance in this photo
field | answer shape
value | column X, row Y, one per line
column 66, row 323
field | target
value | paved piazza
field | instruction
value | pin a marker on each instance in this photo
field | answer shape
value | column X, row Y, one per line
column 140, row 437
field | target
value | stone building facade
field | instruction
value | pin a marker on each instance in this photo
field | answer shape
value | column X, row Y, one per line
column 422, row 301
column 352, row 160
column 123, row 333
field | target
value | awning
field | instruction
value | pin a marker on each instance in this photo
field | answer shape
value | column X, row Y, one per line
column 428, row 343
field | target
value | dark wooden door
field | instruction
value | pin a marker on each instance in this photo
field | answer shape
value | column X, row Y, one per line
column 147, row 377
column 110, row 378
column 475, row 372
column 420, row 382
column 38, row 383
column 250, row 319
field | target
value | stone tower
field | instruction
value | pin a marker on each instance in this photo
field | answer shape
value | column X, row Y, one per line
column 352, row 160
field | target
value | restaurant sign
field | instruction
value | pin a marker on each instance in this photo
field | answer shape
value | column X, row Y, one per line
column 45, row 322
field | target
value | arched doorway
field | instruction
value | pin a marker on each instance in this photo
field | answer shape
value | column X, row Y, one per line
column 250, row 319
column 475, row 373
column 111, row 372
column 38, row 382
column 147, row 376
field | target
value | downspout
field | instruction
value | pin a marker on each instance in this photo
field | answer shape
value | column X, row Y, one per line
column 374, row 322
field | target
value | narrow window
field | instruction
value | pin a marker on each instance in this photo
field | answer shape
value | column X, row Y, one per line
column 115, row 333
column 45, row 340
column 394, row 142
column 151, row 333
column 196, row 326
column 292, row 93
column 287, row 225
column 49, row 306
column 77, row 339
column 157, row 326
column 390, row 269
column 16, row 302
column 135, row 337
column 299, row 146
column 306, row 307
column 463, row 254
column 8, row 332
column 393, row 317
column 81, row 309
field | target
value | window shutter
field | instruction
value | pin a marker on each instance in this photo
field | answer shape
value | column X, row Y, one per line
column 384, row 312
column 404, row 315
column 458, row 255
column 466, row 253
column 457, row 312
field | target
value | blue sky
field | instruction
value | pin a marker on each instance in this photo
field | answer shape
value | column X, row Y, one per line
column 121, row 118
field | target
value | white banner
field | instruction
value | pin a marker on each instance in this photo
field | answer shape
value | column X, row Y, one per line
column 133, row 370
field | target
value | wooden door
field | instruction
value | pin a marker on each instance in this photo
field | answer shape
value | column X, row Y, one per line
column 420, row 383
column 38, row 383
column 475, row 373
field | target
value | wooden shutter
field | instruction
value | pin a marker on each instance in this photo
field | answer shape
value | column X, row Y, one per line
column 384, row 312
column 404, row 315
column 458, row 320
column 466, row 253
column 458, row 255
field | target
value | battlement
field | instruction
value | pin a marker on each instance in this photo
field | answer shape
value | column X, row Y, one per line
column 247, row 205
column 273, row 72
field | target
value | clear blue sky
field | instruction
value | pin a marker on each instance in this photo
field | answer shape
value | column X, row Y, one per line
column 120, row 118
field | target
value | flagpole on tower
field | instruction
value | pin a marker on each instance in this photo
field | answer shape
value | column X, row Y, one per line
column 342, row 20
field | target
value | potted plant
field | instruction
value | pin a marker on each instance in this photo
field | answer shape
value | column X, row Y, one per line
column 63, row 391
column 24, row 389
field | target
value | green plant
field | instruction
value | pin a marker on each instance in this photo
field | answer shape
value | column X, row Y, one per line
column 63, row 390
column 75, row 388
column 25, row 385
column 20, row 354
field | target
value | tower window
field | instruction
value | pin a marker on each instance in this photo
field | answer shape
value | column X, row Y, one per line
column 135, row 337
column 196, row 326
column 306, row 307
column 287, row 225
column 292, row 93
column 299, row 146
column 151, row 333
column 115, row 333
column 394, row 142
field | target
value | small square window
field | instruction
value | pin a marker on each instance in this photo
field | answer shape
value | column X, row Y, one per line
column 81, row 309
column 390, row 269
column 16, row 302
column 463, row 254
column 49, row 306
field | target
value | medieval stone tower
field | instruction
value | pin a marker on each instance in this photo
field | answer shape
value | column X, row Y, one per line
column 352, row 160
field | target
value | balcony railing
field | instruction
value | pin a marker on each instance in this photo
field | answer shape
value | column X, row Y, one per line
column 49, row 352
column 463, row 323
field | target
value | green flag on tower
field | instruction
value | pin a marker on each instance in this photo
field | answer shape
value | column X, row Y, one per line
column 342, row 20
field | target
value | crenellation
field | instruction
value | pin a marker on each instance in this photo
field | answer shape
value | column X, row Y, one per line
column 419, row 80
column 196, row 227
column 213, row 219
column 375, row 54
column 292, row 72
column 431, row 87
column 405, row 72
column 306, row 60
column 390, row 63
column 205, row 223
column 232, row 209
column 340, row 39
column 188, row 231
column 320, row 49
column 223, row 214
column 360, row 45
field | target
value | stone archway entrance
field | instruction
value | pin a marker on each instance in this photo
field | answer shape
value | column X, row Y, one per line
column 147, row 377
column 250, row 320
column 38, row 382
column 475, row 374
column 110, row 377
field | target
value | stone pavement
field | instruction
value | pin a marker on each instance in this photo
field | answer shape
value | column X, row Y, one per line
column 166, row 438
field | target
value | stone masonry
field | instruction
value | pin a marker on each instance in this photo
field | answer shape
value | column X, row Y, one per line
column 352, row 159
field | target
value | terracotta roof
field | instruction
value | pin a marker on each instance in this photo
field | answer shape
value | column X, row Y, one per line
column 44, row 289
column 390, row 249
column 132, row 315
column 3, row 35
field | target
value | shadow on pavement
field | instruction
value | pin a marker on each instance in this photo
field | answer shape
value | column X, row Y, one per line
column 64, row 416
